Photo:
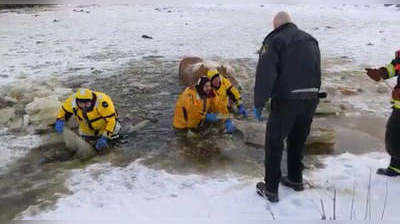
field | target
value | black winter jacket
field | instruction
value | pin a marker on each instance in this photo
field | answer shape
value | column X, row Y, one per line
column 289, row 66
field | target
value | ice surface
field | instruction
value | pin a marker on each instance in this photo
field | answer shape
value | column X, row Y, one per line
column 14, row 147
column 64, row 42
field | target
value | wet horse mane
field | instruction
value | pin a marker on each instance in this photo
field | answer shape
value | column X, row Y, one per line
column 191, row 68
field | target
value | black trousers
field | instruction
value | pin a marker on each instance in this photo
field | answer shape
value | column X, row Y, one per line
column 289, row 119
column 392, row 138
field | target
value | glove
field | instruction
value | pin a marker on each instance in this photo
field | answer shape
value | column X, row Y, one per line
column 257, row 114
column 211, row 117
column 396, row 93
column 101, row 143
column 59, row 126
column 374, row 74
column 242, row 110
column 229, row 126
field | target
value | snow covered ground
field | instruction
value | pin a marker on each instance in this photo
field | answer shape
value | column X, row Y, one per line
column 66, row 41
column 137, row 193
column 103, row 37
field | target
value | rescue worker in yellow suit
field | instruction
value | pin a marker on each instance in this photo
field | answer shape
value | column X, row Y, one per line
column 95, row 114
column 392, row 136
column 226, row 91
column 199, row 104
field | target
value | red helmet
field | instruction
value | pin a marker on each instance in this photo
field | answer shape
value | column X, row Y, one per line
column 397, row 54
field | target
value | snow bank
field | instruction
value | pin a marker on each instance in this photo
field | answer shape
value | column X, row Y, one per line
column 137, row 193
column 33, row 107
column 43, row 111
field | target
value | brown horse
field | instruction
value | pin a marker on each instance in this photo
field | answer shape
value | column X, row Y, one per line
column 192, row 68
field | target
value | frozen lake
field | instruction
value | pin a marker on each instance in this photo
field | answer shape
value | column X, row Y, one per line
column 78, row 39
column 100, row 38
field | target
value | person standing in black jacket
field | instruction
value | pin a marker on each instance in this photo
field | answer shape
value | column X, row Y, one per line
column 289, row 73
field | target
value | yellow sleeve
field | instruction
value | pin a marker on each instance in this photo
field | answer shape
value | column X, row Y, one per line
column 217, row 106
column 183, row 110
column 191, row 115
column 178, row 113
column 107, row 111
column 213, row 105
column 390, row 68
column 232, row 92
column 66, row 109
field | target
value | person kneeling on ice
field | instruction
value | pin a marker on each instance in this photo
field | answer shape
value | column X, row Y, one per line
column 198, row 105
column 227, row 93
column 392, row 136
column 95, row 114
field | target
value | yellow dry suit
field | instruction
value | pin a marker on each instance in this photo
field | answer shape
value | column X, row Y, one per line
column 99, row 120
column 191, row 109
column 226, row 91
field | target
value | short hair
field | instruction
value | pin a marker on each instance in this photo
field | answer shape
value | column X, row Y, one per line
column 281, row 18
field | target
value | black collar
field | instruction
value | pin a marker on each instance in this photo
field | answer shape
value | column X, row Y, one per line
column 282, row 27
